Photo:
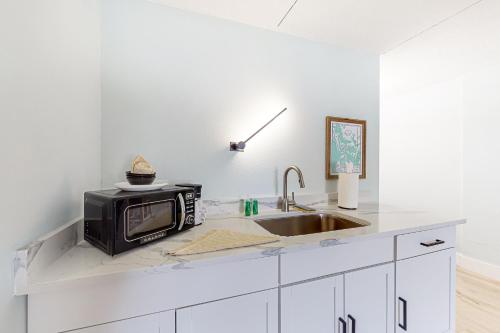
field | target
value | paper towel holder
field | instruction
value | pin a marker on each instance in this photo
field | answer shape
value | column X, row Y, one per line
column 348, row 190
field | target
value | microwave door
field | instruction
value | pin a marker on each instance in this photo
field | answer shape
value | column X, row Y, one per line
column 144, row 219
column 147, row 223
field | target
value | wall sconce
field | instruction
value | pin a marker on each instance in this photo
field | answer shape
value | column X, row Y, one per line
column 240, row 146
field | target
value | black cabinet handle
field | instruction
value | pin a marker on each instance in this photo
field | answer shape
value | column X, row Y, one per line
column 432, row 243
column 353, row 323
column 404, row 325
column 344, row 325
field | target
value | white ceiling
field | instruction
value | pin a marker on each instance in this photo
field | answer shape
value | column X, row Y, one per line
column 374, row 25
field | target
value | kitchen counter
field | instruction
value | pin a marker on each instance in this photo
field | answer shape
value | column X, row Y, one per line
column 80, row 262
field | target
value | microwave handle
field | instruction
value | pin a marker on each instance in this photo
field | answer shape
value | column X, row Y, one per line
column 183, row 210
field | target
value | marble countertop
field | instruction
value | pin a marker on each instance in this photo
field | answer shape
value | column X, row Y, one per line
column 81, row 261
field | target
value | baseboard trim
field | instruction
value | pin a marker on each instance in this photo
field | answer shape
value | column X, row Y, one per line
column 479, row 267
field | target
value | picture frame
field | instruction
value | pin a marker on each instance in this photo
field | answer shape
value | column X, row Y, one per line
column 345, row 147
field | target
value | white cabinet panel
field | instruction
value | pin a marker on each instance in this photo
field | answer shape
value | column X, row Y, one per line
column 253, row 313
column 369, row 300
column 159, row 322
column 313, row 307
column 117, row 297
column 304, row 265
column 167, row 322
column 427, row 285
column 424, row 242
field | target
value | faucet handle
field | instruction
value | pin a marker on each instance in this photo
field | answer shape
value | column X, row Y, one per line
column 292, row 201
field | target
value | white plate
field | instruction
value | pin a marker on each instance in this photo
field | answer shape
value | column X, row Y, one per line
column 125, row 186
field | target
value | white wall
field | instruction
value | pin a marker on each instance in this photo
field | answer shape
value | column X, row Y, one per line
column 440, row 109
column 177, row 87
column 49, row 127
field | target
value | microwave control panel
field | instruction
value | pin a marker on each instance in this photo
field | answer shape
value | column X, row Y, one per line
column 189, row 208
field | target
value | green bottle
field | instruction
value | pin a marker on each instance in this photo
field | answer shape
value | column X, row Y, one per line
column 255, row 207
column 248, row 207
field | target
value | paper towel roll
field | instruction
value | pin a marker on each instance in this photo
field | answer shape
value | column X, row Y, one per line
column 348, row 190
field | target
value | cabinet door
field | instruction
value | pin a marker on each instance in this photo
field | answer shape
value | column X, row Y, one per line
column 425, row 293
column 313, row 307
column 369, row 300
column 253, row 313
column 167, row 321
column 163, row 322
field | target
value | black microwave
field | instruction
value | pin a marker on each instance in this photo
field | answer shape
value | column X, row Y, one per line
column 116, row 221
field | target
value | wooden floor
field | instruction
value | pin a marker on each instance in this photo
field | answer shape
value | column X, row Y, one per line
column 478, row 304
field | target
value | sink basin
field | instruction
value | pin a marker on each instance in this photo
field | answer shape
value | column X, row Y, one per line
column 305, row 224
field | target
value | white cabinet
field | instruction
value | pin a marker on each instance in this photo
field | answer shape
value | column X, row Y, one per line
column 369, row 300
column 167, row 322
column 163, row 322
column 425, row 293
column 253, row 313
column 320, row 290
column 318, row 306
column 314, row 306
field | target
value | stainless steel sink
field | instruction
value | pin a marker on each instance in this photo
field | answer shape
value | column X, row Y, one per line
column 305, row 224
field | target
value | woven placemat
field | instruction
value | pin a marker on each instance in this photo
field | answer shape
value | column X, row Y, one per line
column 216, row 240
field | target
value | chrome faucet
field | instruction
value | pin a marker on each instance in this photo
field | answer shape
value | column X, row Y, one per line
column 286, row 203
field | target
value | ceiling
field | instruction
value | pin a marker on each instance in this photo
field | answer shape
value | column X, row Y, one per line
column 373, row 25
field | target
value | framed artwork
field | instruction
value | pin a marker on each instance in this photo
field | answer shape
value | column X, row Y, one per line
column 345, row 147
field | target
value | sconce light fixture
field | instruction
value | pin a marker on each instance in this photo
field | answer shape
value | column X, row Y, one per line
column 240, row 146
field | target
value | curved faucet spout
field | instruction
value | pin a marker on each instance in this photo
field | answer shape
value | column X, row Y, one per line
column 286, row 207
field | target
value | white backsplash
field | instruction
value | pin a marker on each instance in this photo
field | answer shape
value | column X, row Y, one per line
column 235, row 207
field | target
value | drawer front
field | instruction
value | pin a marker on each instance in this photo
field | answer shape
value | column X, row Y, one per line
column 310, row 264
column 423, row 242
